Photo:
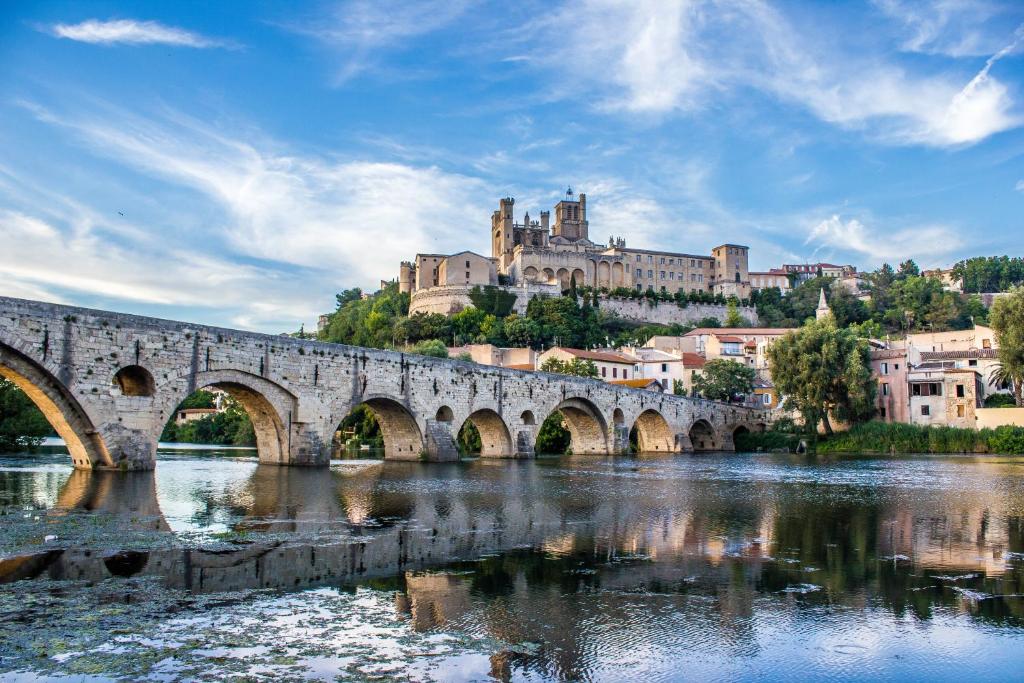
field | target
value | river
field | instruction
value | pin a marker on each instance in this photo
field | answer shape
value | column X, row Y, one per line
column 742, row 567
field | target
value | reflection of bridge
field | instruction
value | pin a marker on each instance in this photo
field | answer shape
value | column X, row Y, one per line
column 108, row 382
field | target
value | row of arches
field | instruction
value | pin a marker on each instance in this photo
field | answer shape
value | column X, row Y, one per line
column 601, row 273
column 583, row 426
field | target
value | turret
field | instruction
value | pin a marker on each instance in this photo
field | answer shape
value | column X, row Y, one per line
column 545, row 220
column 501, row 230
column 406, row 277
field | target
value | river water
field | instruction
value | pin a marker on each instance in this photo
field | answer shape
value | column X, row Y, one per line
column 744, row 567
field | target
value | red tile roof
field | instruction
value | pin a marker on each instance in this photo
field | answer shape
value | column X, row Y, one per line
column 693, row 360
column 603, row 356
column 776, row 331
column 729, row 339
column 636, row 383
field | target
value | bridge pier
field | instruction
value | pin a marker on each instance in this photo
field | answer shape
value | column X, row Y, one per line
column 130, row 449
column 438, row 443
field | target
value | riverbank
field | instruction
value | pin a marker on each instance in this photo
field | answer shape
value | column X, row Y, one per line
column 882, row 437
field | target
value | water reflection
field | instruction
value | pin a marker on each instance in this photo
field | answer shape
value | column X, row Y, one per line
column 647, row 557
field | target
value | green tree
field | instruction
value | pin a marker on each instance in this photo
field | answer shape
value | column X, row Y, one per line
column 721, row 379
column 492, row 300
column 431, row 347
column 553, row 437
column 370, row 322
column 1007, row 319
column 822, row 369
column 22, row 425
column 578, row 367
column 732, row 314
column 521, row 331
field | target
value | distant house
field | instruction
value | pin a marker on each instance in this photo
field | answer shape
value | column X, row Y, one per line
column 611, row 365
column 516, row 358
column 640, row 383
column 193, row 414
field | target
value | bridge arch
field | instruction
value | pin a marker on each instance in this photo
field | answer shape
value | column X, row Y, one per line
column 703, row 436
column 59, row 407
column 134, row 380
column 588, row 431
column 653, row 433
column 403, row 438
column 270, row 406
column 495, row 436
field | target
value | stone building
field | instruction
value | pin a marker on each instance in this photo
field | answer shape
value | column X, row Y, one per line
column 547, row 256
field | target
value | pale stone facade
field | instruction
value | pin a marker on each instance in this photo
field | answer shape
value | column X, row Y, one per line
column 538, row 252
column 108, row 382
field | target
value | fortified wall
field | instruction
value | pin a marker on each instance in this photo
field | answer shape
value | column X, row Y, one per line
column 449, row 299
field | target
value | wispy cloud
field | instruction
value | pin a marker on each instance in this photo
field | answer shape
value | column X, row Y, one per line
column 360, row 30
column 133, row 32
column 1020, row 186
column 355, row 219
column 851, row 238
column 956, row 28
column 655, row 58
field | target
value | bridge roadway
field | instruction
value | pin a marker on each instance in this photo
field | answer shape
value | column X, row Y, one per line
column 108, row 382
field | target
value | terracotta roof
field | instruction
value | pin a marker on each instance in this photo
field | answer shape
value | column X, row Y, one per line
column 604, row 356
column 693, row 360
column 729, row 338
column 751, row 344
column 520, row 366
column 636, row 383
column 700, row 331
column 954, row 355
column 878, row 354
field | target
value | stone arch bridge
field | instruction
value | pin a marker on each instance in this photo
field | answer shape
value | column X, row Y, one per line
column 108, row 382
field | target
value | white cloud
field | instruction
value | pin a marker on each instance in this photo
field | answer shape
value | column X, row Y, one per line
column 132, row 32
column 1020, row 186
column 350, row 220
column 361, row 29
column 852, row 238
column 956, row 28
column 654, row 58
column 45, row 258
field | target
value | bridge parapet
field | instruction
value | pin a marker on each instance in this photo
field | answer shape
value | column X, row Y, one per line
column 110, row 381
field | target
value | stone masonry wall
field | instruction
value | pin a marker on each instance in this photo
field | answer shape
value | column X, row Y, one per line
column 298, row 391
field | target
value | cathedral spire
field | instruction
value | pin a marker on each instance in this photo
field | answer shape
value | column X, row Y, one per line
column 823, row 310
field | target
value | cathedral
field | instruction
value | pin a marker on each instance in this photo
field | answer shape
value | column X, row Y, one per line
column 545, row 257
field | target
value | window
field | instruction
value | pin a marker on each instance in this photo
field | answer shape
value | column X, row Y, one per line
column 881, row 411
column 896, row 366
column 692, row 263
column 664, row 367
column 700, row 264
column 639, row 272
column 885, row 368
column 604, row 372
column 925, row 410
column 615, row 373
column 650, row 274
column 625, row 373
column 885, row 388
column 639, row 286
column 671, row 275
column 638, row 257
column 766, row 399
column 650, row 259
column 671, row 261
column 972, row 363
column 661, row 274
column 986, row 343
column 960, row 410
column 662, row 260
column 960, row 392
column 467, row 274
column 467, row 264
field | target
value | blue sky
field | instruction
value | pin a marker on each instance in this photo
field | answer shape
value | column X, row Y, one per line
column 239, row 162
